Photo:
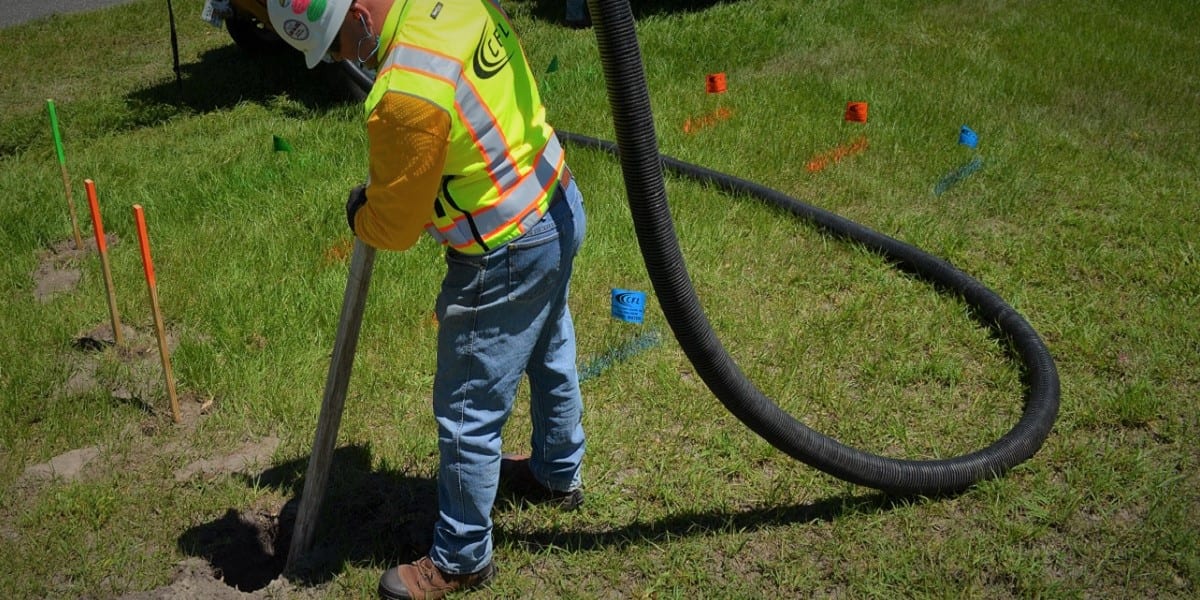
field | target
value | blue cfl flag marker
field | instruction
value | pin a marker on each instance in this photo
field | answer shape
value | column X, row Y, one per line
column 628, row 305
column 968, row 137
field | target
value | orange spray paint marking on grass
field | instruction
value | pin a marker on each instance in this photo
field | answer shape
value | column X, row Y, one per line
column 821, row 161
column 694, row 125
column 102, row 246
column 340, row 251
column 163, row 352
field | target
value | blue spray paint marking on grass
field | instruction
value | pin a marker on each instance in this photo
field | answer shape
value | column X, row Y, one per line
column 953, row 177
column 622, row 353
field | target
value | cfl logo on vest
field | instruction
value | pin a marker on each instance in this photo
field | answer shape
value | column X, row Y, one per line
column 490, row 54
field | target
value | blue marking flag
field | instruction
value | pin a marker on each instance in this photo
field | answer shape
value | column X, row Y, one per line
column 628, row 305
column 968, row 137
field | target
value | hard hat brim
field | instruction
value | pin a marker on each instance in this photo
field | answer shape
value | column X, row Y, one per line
column 317, row 53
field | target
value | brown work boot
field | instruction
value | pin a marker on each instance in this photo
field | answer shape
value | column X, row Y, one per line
column 516, row 477
column 422, row 580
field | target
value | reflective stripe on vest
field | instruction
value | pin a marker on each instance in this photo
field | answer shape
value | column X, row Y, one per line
column 523, row 205
column 517, row 199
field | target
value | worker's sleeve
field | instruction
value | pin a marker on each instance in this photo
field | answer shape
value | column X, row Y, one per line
column 408, row 137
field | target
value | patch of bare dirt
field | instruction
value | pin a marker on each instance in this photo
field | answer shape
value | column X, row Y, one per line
column 58, row 266
column 131, row 373
column 68, row 466
column 196, row 579
column 252, row 454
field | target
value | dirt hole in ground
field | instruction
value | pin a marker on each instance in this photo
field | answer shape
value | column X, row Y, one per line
column 369, row 517
column 239, row 556
column 246, row 550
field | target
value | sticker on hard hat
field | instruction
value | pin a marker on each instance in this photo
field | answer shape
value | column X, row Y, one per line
column 296, row 30
column 311, row 9
column 315, row 9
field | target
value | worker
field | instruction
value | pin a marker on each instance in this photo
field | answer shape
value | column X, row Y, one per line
column 460, row 149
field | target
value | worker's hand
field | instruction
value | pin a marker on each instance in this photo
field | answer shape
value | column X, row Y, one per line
column 357, row 198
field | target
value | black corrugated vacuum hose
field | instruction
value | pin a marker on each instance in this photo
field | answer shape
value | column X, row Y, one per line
column 642, row 165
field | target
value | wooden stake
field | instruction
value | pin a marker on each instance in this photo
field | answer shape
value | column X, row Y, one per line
column 62, row 164
column 159, row 329
column 362, row 261
column 102, row 246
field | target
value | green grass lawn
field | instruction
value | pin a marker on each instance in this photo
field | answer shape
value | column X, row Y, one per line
column 1085, row 216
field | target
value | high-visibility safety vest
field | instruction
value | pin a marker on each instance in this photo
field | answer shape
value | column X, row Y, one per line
column 504, row 160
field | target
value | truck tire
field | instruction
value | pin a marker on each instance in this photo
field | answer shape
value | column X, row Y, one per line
column 253, row 36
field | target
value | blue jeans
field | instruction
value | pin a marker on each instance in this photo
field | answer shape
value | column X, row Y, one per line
column 503, row 315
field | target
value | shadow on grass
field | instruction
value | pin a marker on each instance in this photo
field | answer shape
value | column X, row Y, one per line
column 223, row 78
column 227, row 76
column 692, row 524
column 386, row 517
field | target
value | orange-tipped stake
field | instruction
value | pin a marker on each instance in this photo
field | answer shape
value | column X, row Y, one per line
column 102, row 246
column 62, row 164
column 144, row 242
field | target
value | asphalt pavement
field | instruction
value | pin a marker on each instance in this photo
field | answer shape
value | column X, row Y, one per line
column 19, row 11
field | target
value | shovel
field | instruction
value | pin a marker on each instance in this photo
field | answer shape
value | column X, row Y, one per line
column 362, row 260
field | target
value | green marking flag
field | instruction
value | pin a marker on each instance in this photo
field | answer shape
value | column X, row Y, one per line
column 58, row 145
column 281, row 144
column 553, row 65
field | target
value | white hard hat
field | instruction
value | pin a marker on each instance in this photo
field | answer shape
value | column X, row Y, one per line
column 310, row 26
